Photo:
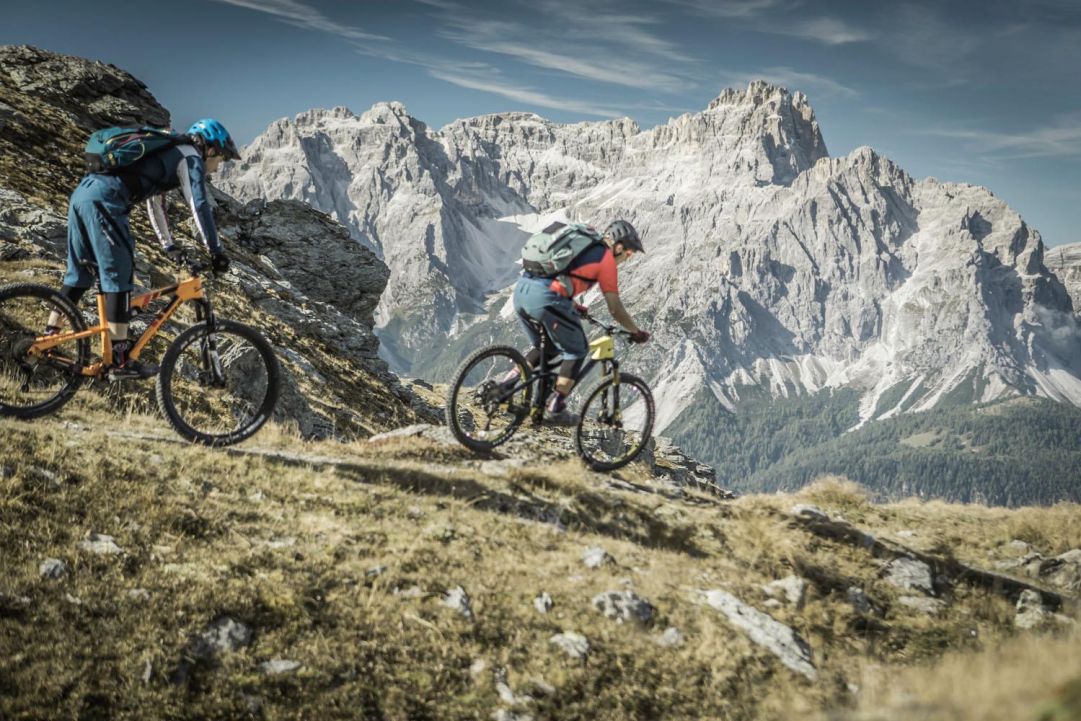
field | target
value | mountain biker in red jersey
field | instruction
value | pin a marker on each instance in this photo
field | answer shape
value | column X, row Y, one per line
column 550, row 302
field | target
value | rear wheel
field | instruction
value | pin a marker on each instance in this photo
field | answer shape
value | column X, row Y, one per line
column 33, row 385
column 616, row 422
column 218, row 388
column 489, row 397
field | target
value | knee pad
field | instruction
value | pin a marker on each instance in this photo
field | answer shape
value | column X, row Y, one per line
column 117, row 307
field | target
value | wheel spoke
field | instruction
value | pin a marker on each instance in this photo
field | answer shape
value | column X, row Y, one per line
column 217, row 384
column 610, row 436
column 34, row 384
column 488, row 401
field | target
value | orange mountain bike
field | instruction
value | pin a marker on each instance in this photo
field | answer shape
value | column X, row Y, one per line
column 219, row 379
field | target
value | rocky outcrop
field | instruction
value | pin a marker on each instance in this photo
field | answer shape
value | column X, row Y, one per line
column 297, row 275
column 1065, row 260
column 93, row 94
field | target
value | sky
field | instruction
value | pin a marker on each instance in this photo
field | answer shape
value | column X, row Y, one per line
column 984, row 92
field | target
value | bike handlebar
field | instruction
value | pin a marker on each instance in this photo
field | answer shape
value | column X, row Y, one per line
column 609, row 329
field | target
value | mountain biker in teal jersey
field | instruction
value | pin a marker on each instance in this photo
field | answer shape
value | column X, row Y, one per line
column 99, row 231
column 550, row 302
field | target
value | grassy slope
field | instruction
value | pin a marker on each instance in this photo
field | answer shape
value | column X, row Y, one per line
column 283, row 545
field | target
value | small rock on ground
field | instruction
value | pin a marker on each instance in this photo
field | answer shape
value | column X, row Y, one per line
column 670, row 638
column 457, row 599
column 53, row 569
column 595, row 557
column 100, row 544
column 806, row 510
column 223, row 635
column 792, row 589
column 855, row 596
column 278, row 666
column 573, row 644
column 922, row 603
column 543, row 603
column 624, row 606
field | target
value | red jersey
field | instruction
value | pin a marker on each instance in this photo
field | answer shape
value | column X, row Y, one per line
column 594, row 265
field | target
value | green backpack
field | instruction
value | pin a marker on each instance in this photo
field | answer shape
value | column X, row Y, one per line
column 549, row 253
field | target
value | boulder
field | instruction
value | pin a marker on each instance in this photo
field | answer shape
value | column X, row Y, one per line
column 777, row 638
column 910, row 574
column 1063, row 571
column 1030, row 611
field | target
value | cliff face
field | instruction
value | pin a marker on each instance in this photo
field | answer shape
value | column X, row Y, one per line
column 768, row 264
column 320, row 322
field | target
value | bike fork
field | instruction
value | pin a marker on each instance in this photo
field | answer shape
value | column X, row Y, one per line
column 209, row 345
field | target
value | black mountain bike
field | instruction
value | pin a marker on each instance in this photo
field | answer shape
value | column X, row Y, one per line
column 487, row 402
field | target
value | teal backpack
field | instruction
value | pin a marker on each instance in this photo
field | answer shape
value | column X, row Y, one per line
column 114, row 150
column 549, row 253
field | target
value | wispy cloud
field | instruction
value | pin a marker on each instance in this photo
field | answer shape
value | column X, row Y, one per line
column 818, row 85
column 921, row 36
column 778, row 17
column 732, row 9
column 524, row 95
column 304, row 16
column 463, row 73
column 616, row 47
column 826, row 30
column 1061, row 138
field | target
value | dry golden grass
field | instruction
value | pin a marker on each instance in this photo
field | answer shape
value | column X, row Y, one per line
column 1028, row 677
column 284, row 543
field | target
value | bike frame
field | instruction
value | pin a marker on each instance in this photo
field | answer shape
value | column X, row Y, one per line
column 544, row 378
column 182, row 292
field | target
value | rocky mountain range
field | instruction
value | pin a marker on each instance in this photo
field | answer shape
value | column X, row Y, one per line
column 769, row 264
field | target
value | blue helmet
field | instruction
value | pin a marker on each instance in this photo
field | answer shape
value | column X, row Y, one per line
column 215, row 135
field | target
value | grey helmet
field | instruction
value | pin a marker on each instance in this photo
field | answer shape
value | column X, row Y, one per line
column 623, row 232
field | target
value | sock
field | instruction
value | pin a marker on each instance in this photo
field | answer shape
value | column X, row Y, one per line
column 120, row 352
column 556, row 402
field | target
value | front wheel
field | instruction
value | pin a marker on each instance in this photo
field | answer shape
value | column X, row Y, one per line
column 218, row 387
column 489, row 397
column 617, row 420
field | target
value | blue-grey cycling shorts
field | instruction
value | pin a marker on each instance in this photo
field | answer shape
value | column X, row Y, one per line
column 99, row 232
column 533, row 298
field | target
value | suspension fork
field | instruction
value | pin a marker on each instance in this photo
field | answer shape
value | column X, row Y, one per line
column 612, row 369
column 204, row 313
